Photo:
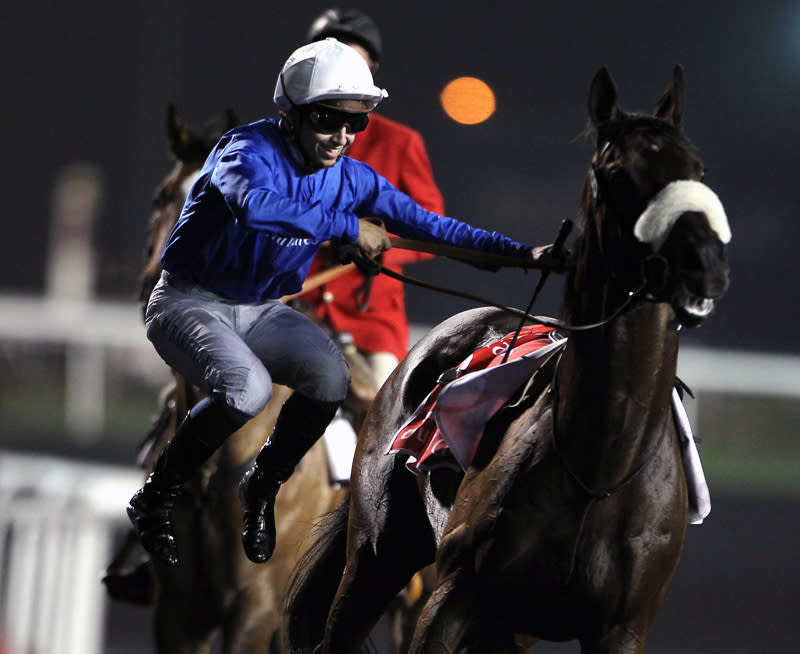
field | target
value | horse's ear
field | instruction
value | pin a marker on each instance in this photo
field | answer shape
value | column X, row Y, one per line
column 176, row 133
column 603, row 98
column 231, row 119
column 670, row 105
column 216, row 127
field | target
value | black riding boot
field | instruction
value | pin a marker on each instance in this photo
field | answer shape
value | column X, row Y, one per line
column 203, row 430
column 300, row 424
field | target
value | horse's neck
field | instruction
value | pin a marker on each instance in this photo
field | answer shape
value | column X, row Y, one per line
column 632, row 352
column 637, row 345
column 615, row 384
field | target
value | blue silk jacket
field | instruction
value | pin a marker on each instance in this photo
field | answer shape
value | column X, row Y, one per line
column 256, row 217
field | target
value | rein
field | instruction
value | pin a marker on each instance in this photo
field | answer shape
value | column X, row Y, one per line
column 370, row 266
column 462, row 253
column 633, row 296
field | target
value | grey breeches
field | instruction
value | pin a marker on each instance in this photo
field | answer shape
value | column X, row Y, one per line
column 236, row 351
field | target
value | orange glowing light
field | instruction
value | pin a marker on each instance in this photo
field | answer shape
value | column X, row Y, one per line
column 468, row 100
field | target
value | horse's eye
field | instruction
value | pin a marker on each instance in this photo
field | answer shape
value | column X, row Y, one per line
column 655, row 147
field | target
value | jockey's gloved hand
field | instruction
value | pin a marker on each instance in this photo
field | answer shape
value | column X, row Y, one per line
column 351, row 253
column 372, row 237
column 371, row 243
column 342, row 252
column 555, row 257
column 547, row 258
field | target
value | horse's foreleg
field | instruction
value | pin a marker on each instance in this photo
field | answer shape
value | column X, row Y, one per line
column 442, row 625
column 453, row 620
column 407, row 607
column 252, row 623
column 179, row 630
column 368, row 585
column 389, row 538
column 617, row 639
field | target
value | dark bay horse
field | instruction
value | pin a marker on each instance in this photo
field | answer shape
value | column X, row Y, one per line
column 216, row 592
column 570, row 520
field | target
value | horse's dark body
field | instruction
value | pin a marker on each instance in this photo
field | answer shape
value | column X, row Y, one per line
column 570, row 522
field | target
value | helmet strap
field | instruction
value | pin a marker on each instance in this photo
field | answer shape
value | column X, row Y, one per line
column 291, row 130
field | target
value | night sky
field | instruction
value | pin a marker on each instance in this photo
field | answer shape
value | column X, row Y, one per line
column 90, row 82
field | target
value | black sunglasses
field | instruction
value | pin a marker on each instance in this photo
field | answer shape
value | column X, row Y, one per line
column 327, row 121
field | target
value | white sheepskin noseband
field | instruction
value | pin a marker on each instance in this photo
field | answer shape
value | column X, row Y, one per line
column 675, row 199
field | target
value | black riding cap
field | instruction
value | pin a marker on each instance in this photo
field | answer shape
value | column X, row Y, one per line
column 347, row 25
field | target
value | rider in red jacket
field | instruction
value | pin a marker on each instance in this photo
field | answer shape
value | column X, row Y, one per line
column 372, row 308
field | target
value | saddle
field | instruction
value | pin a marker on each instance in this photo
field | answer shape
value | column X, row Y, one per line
column 446, row 430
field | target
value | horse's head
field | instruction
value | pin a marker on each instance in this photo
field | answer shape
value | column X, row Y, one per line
column 189, row 148
column 651, row 223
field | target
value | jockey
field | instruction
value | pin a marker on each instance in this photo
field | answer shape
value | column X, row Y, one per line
column 269, row 194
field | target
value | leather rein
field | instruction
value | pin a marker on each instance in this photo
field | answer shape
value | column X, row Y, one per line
column 471, row 255
column 370, row 266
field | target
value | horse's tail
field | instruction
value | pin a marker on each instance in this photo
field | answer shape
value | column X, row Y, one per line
column 315, row 579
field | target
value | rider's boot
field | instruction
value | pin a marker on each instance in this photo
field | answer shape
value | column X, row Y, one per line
column 300, row 424
column 203, row 430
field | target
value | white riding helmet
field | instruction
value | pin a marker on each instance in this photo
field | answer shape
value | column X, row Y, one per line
column 326, row 70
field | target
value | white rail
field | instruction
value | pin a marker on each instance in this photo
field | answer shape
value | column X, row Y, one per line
column 87, row 330
column 57, row 522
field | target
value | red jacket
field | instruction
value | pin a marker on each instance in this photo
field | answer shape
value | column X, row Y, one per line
column 398, row 153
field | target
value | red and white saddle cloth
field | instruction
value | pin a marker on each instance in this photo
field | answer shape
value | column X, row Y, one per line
column 447, row 427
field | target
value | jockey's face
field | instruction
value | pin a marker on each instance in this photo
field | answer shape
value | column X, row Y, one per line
column 328, row 128
column 323, row 150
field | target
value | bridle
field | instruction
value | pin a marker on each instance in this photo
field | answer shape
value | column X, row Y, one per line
column 655, row 275
column 373, row 267
column 655, row 268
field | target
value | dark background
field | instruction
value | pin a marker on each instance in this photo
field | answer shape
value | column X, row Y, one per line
column 91, row 80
